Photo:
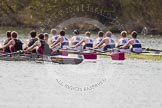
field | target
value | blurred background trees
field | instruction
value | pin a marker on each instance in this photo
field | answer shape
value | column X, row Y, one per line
column 128, row 14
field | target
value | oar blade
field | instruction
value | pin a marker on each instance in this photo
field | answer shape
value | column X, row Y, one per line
column 118, row 56
column 90, row 56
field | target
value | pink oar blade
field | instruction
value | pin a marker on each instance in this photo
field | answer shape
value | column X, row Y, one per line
column 90, row 56
column 118, row 56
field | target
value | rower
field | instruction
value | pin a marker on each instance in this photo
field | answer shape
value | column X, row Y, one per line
column 87, row 42
column 123, row 40
column 134, row 44
column 14, row 44
column 41, row 46
column 54, row 36
column 46, row 37
column 76, row 39
column 8, row 38
column 100, row 38
column 107, row 43
column 32, row 40
column 62, row 41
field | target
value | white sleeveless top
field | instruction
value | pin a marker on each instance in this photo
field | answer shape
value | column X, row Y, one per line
column 77, row 39
column 123, row 41
column 65, row 42
column 99, row 39
column 110, row 45
column 55, row 37
column 137, row 46
column 88, row 43
column 111, row 41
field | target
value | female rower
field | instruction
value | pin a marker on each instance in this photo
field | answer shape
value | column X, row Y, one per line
column 100, row 38
column 41, row 46
column 134, row 44
column 54, row 36
column 31, row 41
column 76, row 39
column 46, row 37
column 107, row 43
column 123, row 40
column 8, row 38
column 87, row 42
column 14, row 44
column 62, row 41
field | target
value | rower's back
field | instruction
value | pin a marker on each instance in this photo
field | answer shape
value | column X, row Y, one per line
column 100, row 37
column 44, row 48
column 110, row 43
column 89, row 41
column 136, row 44
column 8, row 38
column 18, row 43
column 64, row 41
column 123, row 40
column 54, row 35
column 33, row 39
column 76, row 39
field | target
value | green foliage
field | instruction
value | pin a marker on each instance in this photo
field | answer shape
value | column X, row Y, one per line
column 131, row 14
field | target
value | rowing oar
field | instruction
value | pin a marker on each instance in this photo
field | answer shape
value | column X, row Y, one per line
column 93, row 55
column 153, row 50
column 10, row 54
column 149, row 49
column 115, row 56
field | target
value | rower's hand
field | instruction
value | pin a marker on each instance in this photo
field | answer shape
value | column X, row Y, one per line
column 95, row 48
column 73, row 46
column 51, row 46
column 25, row 51
column 121, row 47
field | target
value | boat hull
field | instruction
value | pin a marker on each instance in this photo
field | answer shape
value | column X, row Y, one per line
column 53, row 59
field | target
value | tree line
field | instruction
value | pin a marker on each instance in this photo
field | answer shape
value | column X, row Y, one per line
column 131, row 14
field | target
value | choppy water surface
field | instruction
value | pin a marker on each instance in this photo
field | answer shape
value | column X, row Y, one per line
column 131, row 83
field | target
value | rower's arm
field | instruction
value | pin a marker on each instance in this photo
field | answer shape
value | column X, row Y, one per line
column 118, row 43
column 72, row 40
column 50, row 41
column 33, row 46
column 101, row 43
column 95, row 43
column 126, row 45
column 80, row 43
column 56, row 43
column 7, row 45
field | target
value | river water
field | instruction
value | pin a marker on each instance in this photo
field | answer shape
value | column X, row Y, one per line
column 116, row 84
